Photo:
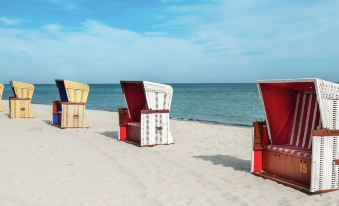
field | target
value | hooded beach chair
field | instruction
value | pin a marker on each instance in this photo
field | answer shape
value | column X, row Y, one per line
column 146, row 120
column 1, row 92
column 298, row 145
column 20, row 104
column 70, row 111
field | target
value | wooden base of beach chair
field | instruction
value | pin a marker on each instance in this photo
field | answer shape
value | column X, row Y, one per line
column 284, row 181
column 288, row 166
column 20, row 108
column 151, row 130
column 130, row 133
column 69, row 115
column 290, row 183
column 137, row 143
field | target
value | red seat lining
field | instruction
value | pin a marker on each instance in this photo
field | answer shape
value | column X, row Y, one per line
column 135, row 98
column 292, row 112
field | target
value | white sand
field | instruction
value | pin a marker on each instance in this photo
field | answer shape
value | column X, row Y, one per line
column 208, row 165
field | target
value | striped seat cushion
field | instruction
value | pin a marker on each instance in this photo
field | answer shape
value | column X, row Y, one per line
column 287, row 149
column 133, row 124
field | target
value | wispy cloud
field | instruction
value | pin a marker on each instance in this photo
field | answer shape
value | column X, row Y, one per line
column 93, row 47
column 208, row 41
column 180, row 21
column 279, row 30
column 10, row 21
column 54, row 27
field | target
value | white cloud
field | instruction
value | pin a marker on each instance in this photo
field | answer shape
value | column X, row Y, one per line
column 53, row 27
column 96, row 52
column 8, row 21
column 180, row 21
column 269, row 30
column 222, row 41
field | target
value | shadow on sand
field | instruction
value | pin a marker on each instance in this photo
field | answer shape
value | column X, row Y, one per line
column 49, row 122
column 111, row 134
column 228, row 161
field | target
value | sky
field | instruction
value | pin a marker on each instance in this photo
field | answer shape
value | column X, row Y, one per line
column 174, row 41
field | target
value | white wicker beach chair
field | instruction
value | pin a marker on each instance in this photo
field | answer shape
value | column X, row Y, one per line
column 298, row 144
column 146, row 120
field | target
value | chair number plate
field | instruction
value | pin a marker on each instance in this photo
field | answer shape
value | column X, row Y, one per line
column 303, row 168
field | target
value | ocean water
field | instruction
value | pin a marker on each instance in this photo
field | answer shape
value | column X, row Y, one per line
column 233, row 104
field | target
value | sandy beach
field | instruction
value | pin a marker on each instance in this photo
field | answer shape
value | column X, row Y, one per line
column 207, row 165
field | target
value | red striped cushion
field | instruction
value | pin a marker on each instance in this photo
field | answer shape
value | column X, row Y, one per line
column 295, row 151
column 133, row 124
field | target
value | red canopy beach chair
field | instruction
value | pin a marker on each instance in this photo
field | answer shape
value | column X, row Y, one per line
column 146, row 120
column 298, row 144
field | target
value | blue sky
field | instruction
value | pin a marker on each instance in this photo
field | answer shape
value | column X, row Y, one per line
column 168, row 40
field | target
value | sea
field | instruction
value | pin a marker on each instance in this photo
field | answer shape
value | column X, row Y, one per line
column 225, row 103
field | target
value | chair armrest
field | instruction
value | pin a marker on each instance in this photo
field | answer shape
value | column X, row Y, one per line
column 56, row 106
column 15, row 98
column 73, row 103
column 325, row 132
column 260, row 135
column 123, row 116
column 149, row 111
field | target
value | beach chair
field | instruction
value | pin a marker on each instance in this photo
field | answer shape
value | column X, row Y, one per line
column 298, row 144
column 145, row 121
column 1, row 92
column 20, row 104
column 70, row 111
